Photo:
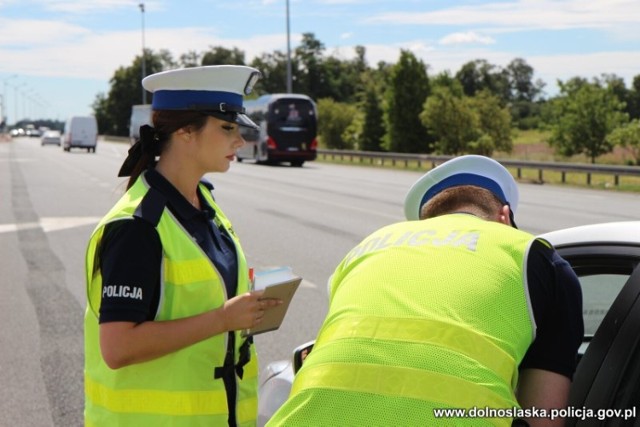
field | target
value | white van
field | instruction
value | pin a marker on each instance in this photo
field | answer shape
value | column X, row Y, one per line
column 140, row 115
column 81, row 132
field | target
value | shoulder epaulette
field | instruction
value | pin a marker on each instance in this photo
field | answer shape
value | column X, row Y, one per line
column 151, row 207
column 209, row 187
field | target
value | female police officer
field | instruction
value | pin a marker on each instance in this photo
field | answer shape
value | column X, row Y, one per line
column 167, row 281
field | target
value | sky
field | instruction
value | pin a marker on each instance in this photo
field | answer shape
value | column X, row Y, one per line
column 56, row 56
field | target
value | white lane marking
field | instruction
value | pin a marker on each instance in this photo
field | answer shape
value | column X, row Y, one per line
column 63, row 223
column 9, row 228
column 49, row 224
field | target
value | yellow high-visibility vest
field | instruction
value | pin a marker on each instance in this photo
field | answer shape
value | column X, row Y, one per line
column 178, row 389
column 423, row 315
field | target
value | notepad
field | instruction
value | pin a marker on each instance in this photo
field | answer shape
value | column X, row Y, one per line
column 279, row 283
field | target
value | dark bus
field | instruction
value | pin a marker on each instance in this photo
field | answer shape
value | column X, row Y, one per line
column 288, row 129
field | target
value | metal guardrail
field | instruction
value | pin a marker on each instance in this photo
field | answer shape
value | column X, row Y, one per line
column 519, row 165
column 434, row 160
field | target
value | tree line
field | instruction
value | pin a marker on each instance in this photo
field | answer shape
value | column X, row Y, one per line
column 401, row 107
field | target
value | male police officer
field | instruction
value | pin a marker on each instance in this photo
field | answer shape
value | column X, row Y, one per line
column 459, row 311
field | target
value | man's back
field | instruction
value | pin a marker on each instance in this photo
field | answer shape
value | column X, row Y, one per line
column 423, row 315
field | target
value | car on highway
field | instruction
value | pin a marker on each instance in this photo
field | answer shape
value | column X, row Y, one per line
column 81, row 132
column 51, row 137
column 17, row 132
column 606, row 259
column 33, row 133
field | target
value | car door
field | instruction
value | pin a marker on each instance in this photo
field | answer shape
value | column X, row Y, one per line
column 606, row 385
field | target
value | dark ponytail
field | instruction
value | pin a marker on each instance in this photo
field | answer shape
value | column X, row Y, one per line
column 148, row 146
column 153, row 140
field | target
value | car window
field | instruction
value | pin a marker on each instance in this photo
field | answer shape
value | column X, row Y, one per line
column 603, row 270
column 598, row 293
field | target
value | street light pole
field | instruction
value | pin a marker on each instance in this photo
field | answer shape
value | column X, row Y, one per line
column 31, row 108
column 15, row 92
column 27, row 105
column 289, row 88
column 144, row 71
column 5, row 102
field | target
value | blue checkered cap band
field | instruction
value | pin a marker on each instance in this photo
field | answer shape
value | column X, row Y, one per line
column 205, row 100
column 475, row 170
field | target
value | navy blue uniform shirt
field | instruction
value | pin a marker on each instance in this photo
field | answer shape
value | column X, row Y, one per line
column 131, row 254
column 554, row 290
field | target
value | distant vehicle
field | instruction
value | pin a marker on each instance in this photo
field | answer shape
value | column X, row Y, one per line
column 140, row 116
column 51, row 137
column 81, row 132
column 17, row 132
column 288, row 129
column 31, row 131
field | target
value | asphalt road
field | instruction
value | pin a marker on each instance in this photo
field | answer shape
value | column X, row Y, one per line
column 306, row 218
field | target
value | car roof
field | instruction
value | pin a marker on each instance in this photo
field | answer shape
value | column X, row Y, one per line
column 621, row 232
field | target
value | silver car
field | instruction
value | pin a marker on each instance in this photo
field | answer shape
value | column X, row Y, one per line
column 51, row 137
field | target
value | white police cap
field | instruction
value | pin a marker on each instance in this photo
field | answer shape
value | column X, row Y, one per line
column 216, row 89
column 475, row 170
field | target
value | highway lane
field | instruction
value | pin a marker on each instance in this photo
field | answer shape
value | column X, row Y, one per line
column 307, row 218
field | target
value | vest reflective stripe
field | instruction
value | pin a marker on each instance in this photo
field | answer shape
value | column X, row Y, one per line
column 457, row 339
column 157, row 401
column 396, row 381
column 185, row 272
